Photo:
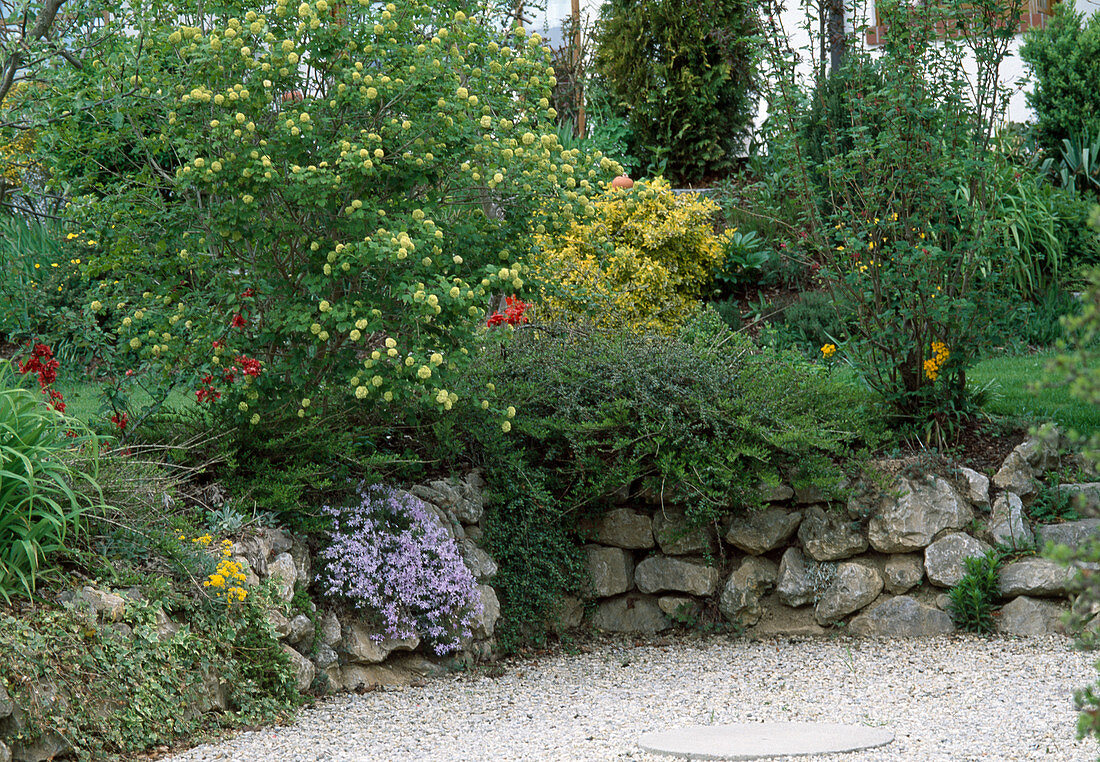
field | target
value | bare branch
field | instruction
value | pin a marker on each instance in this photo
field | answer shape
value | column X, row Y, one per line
column 41, row 26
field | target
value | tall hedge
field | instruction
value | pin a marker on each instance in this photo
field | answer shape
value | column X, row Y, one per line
column 684, row 71
column 1064, row 59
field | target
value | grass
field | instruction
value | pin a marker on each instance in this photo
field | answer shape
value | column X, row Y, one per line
column 83, row 400
column 1009, row 382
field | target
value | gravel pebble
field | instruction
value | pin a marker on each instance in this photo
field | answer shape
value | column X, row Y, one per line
column 956, row 698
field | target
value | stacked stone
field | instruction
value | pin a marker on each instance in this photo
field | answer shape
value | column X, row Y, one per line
column 878, row 566
column 347, row 652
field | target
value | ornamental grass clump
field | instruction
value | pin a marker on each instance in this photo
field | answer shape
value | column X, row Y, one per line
column 389, row 556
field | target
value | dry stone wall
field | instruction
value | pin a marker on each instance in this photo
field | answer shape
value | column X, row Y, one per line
column 871, row 567
column 875, row 566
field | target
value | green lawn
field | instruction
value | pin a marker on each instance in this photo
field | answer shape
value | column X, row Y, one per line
column 1009, row 380
column 83, row 400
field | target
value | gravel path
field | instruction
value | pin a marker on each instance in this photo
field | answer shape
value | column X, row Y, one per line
column 951, row 699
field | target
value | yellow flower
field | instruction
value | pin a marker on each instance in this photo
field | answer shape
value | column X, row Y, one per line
column 828, row 350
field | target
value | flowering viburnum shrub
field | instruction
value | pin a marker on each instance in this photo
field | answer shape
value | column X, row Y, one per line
column 392, row 558
column 349, row 184
column 644, row 259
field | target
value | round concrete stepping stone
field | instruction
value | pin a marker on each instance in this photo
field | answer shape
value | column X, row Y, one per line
column 762, row 740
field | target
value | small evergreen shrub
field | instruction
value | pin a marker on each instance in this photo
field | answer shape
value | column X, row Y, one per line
column 1064, row 57
column 699, row 418
column 974, row 597
column 390, row 557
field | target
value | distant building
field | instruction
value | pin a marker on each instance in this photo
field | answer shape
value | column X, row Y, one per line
column 1014, row 73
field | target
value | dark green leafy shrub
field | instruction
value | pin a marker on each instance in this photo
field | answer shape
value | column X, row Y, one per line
column 811, row 322
column 685, row 72
column 1064, row 57
column 831, row 126
column 974, row 597
column 532, row 540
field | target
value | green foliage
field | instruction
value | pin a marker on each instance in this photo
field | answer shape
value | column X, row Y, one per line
column 1052, row 504
column 1037, row 322
column 903, row 210
column 1031, row 260
column 686, row 73
column 1079, row 169
column 830, row 126
column 697, row 419
column 1078, row 362
column 608, row 126
column 47, row 483
column 745, row 258
column 1081, row 622
column 810, row 323
column 348, row 185
column 1064, row 57
column 42, row 284
column 531, row 538
column 123, row 687
column 974, row 597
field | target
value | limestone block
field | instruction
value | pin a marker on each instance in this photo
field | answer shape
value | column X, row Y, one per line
column 901, row 617
column 658, row 574
column 758, row 532
column 945, row 559
column 611, row 570
column 922, row 509
column 854, row 586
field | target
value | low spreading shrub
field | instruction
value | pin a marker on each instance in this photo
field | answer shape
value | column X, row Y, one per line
column 391, row 558
column 111, row 689
column 699, row 418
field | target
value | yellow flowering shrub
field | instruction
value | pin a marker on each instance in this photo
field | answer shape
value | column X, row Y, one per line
column 644, row 260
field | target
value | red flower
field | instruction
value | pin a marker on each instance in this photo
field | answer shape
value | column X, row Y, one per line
column 247, row 293
column 238, row 321
column 206, row 394
column 514, row 308
column 120, row 421
column 249, row 366
column 45, row 365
